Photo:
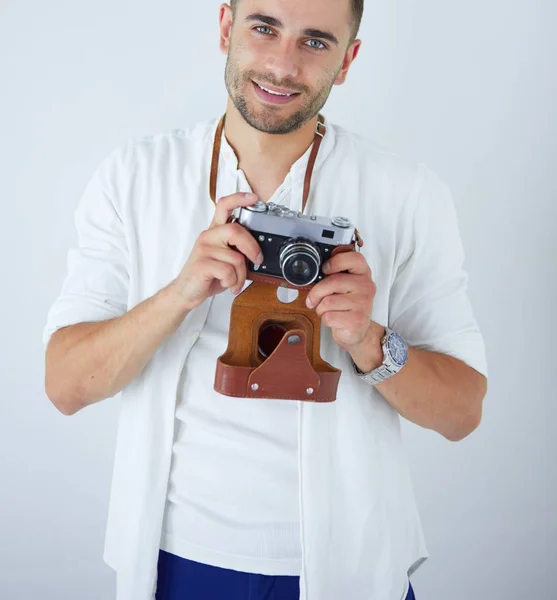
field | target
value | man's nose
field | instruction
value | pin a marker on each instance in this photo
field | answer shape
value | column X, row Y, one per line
column 282, row 61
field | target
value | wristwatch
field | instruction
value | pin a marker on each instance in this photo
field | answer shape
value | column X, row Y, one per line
column 395, row 356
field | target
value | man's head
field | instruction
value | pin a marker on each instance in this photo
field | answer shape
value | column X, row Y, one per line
column 297, row 49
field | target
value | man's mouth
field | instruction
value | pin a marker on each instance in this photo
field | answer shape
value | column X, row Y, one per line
column 274, row 95
column 275, row 91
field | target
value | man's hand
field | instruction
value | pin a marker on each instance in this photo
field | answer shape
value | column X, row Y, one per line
column 218, row 259
column 344, row 300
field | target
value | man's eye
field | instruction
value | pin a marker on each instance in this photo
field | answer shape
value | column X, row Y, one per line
column 263, row 29
column 316, row 45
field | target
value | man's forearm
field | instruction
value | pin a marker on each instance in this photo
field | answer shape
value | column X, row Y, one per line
column 88, row 362
column 433, row 390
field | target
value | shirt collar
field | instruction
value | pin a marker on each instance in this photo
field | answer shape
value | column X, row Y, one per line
column 297, row 172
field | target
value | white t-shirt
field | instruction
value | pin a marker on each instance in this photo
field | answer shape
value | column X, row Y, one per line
column 234, row 490
column 360, row 531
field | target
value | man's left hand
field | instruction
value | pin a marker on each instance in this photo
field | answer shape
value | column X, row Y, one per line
column 344, row 298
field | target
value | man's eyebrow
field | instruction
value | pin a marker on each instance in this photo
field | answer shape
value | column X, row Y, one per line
column 312, row 33
column 324, row 35
column 265, row 19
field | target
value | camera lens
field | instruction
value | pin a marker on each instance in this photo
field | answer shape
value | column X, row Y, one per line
column 300, row 262
column 300, row 268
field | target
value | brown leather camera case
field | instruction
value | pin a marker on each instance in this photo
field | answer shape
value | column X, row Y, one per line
column 295, row 369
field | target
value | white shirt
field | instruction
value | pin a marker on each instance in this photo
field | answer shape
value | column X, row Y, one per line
column 361, row 535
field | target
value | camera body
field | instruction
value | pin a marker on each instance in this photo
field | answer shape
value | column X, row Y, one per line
column 294, row 245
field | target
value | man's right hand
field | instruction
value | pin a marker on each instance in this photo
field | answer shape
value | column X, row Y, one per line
column 218, row 259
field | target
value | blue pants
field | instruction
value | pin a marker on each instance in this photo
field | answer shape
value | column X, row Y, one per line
column 182, row 579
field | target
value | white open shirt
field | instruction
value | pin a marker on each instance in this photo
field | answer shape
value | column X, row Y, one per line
column 137, row 222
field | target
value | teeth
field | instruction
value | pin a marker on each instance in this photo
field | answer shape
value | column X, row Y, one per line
column 274, row 93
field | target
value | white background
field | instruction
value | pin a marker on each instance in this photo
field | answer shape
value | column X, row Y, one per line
column 467, row 87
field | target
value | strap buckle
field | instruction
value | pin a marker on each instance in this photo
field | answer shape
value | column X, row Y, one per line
column 318, row 132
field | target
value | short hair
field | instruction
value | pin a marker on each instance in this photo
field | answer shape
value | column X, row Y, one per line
column 357, row 13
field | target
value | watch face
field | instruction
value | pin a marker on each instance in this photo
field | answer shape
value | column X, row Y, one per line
column 397, row 349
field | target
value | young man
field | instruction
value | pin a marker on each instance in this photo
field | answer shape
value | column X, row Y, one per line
column 215, row 497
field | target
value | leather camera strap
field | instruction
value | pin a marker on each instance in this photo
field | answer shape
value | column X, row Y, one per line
column 320, row 131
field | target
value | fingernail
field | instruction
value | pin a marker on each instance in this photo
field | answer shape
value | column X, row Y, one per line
column 259, row 258
column 250, row 196
column 326, row 268
column 309, row 303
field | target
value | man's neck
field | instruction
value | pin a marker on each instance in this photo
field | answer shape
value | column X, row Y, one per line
column 265, row 158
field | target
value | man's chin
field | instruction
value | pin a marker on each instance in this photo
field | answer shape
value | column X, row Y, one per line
column 270, row 121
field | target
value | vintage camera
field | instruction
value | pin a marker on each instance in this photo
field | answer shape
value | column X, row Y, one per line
column 294, row 245
column 274, row 346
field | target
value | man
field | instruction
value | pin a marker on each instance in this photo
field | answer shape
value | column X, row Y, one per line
column 219, row 497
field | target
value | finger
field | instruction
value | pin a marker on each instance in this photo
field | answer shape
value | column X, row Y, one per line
column 221, row 271
column 341, row 283
column 339, row 303
column 351, row 262
column 234, row 234
column 228, row 204
column 234, row 258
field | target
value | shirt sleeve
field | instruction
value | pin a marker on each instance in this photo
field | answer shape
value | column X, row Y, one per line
column 96, row 284
column 428, row 302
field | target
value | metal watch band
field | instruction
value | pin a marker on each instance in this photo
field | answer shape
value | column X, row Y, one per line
column 384, row 371
column 380, row 374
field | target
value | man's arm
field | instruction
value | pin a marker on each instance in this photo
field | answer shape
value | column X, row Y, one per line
column 427, row 304
column 434, row 390
column 88, row 362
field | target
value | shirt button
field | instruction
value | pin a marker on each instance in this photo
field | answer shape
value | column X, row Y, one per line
column 195, row 334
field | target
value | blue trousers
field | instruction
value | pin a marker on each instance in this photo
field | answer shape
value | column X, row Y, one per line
column 183, row 579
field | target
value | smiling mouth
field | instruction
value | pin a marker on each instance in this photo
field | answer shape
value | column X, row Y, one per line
column 275, row 93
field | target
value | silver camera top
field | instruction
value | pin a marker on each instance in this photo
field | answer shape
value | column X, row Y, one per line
column 278, row 219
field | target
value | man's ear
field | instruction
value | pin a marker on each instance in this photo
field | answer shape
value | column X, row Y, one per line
column 349, row 58
column 225, row 24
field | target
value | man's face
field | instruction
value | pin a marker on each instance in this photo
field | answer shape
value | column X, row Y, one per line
column 297, row 49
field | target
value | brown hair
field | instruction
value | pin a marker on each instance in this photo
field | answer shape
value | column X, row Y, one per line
column 357, row 12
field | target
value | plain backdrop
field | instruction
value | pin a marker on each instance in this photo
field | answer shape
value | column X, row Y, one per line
column 469, row 88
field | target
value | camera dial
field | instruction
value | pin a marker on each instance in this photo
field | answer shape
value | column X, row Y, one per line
column 341, row 222
column 259, row 207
